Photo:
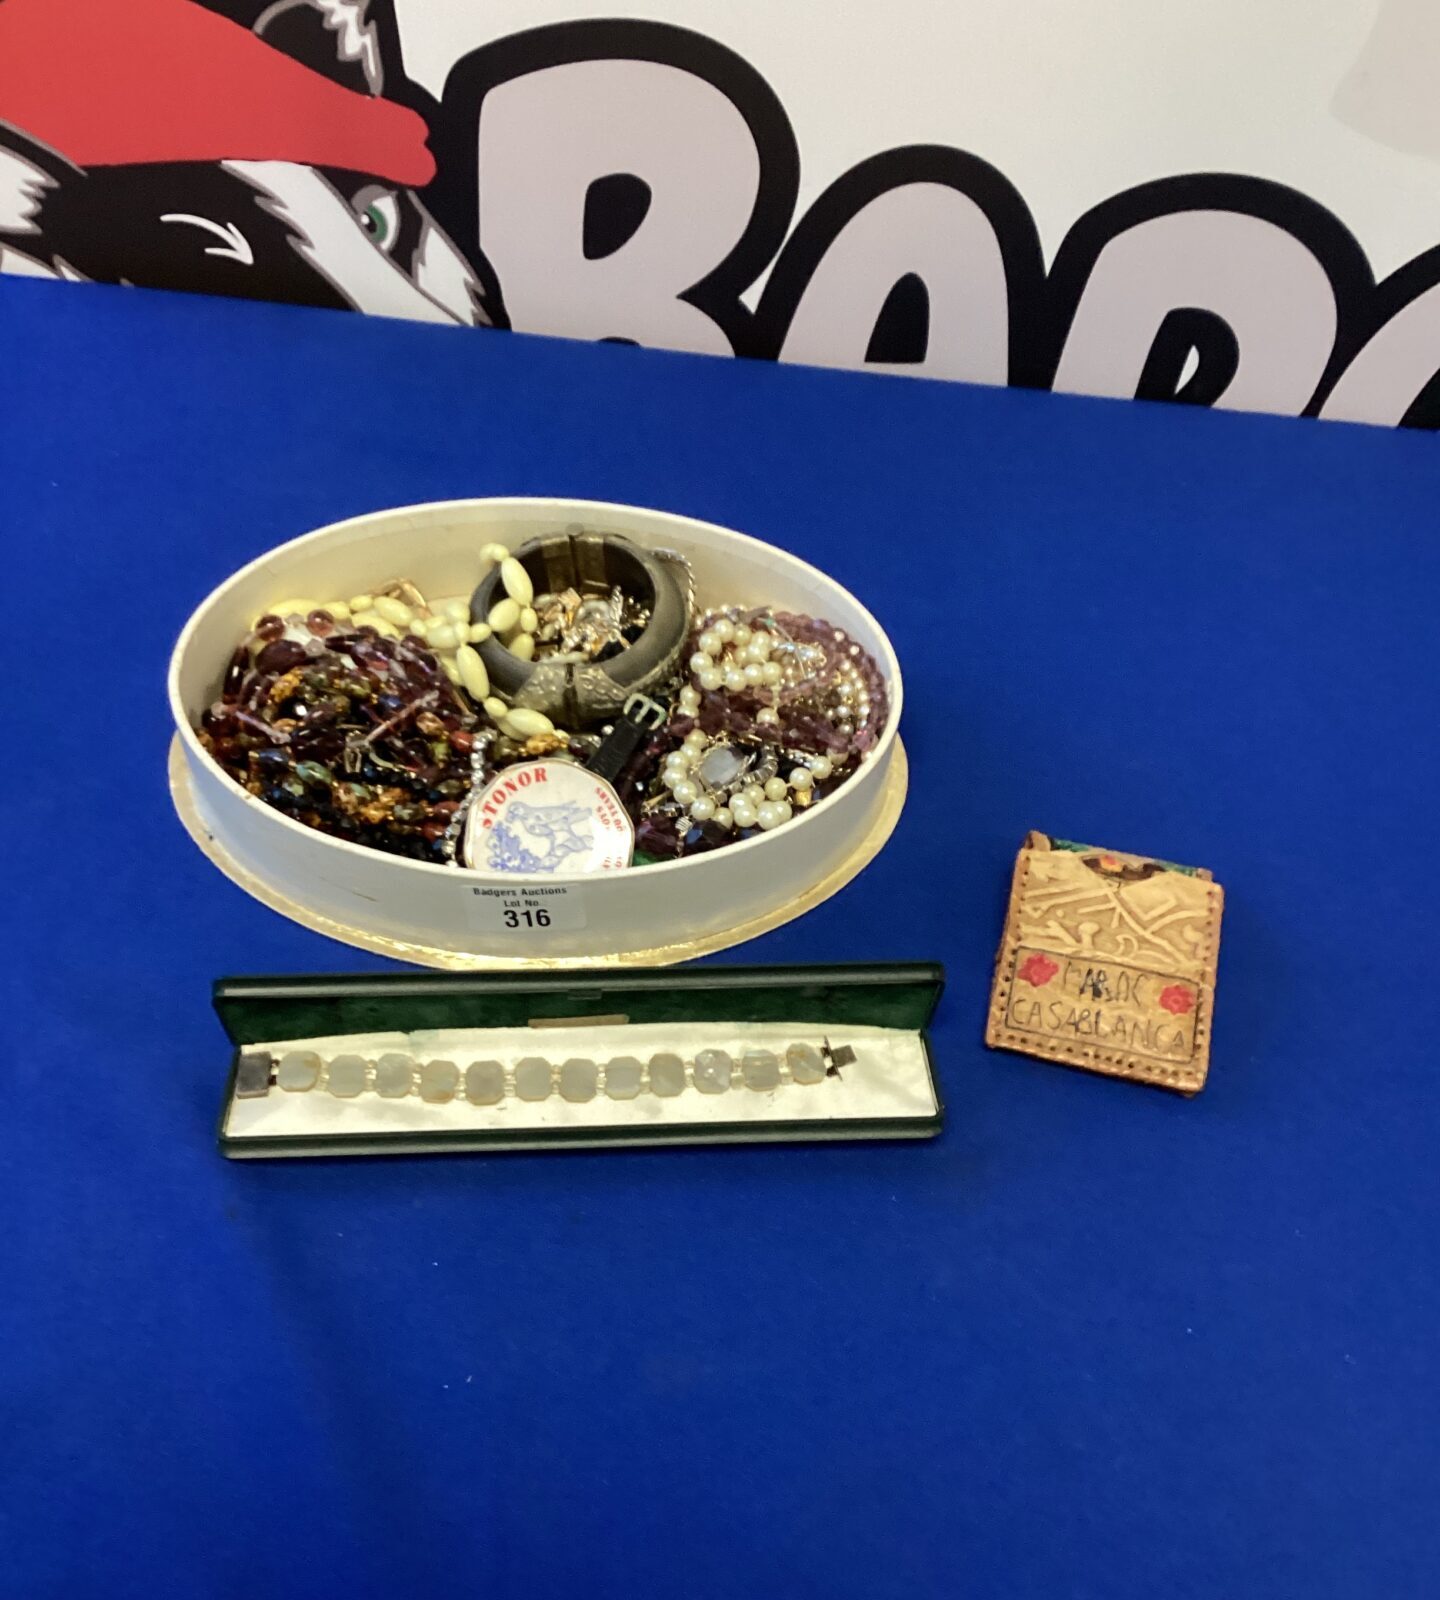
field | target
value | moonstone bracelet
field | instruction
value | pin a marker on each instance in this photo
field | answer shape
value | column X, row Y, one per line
column 486, row 1083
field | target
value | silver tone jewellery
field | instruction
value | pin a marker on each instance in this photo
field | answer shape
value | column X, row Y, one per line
column 610, row 578
column 396, row 1076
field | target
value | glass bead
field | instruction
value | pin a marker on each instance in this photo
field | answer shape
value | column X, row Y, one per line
column 578, row 1079
column 667, row 1074
column 720, row 766
column 760, row 1069
column 712, row 1071
column 281, row 656
column 805, row 1062
column 394, row 1076
column 532, row 1078
column 439, row 1081
column 622, row 1078
column 235, row 675
column 346, row 1076
column 298, row 1070
column 484, row 1083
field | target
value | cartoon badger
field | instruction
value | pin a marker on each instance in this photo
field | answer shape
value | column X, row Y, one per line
column 156, row 142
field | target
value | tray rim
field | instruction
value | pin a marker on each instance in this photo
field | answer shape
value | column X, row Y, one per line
column 887, row 816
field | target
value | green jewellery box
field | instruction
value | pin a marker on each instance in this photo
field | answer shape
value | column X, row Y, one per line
column 426, row 1062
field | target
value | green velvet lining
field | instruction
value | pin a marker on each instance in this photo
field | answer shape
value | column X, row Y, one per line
column 884, row 996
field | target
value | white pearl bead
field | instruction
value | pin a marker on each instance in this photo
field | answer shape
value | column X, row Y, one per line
column 709, row 642
column 711, row 678
column 802, row 779
column 516, row 581
column 755, row 794
column 686, row 792
column 734, row 678
column 703, row 809
column 472, row 672
column 776, row 788
column 695, row 740
column 689, row 699
column 699, row 662
column 785, row 809
column 504, row 614
column 754, row 674
column 768, row 816
column 724, row 817
column 760, row 645
column 525, row 722
column 742, row 813
column 772, row 672
column 768, row 716
column 724, row 630
column 742, row 634
column 821, row 766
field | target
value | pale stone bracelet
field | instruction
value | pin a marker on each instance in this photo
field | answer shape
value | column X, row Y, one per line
column 394, row 1076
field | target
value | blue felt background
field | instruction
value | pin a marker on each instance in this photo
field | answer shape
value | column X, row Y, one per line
column 1096, row 1342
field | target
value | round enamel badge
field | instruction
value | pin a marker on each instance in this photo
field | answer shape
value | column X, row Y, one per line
column 547, row 817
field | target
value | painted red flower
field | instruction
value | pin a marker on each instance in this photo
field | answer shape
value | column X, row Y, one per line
column 1177, row 999
column 1038, row 970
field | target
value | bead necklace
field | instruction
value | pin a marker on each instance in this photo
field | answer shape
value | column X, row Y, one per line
column 396, row 1076
column 811, row 684
column 736, row 785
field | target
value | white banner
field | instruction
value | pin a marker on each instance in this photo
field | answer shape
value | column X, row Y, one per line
column 1232, row 204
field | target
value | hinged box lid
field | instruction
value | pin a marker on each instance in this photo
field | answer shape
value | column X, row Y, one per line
column 881, row 1011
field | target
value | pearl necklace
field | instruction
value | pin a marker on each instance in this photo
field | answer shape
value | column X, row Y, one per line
column 735, row 785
